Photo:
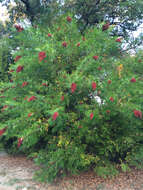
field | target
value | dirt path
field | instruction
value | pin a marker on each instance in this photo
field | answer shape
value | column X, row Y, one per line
column 16, row 174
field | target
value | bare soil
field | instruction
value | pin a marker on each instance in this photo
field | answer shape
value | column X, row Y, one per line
column 16, row 173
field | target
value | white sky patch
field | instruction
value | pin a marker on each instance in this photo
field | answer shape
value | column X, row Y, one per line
column 139, row 31
column 4, row 15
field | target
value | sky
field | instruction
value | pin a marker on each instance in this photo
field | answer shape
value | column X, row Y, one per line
column 4, row 16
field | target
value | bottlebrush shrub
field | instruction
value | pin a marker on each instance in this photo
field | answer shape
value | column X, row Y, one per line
column 52, row 101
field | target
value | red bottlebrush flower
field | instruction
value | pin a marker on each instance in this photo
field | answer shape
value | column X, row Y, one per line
column 19, row 28
column 13, row 87
column 4, row 107
column 19, row 68
column 11, row 80
column 83, row 38
column 2, row 131
column 108, row 111
column 93, row 85
column 98, row 92
column 44, row 84
column 118, row 40
column 24, row 84
column 20, row 140
column 133, row 80
column 30, row 114
column 80, row 127
column 42, row 55
column 2, row 96
column 105, row 26
column 109, row 81
column 55, row 115
column 14, row 98
column 31, row 98
column 78, row 44
column 95, row 57
column 138, row 113
column 73, row 87
column 26, row 98
column 69, row 19
column 11, row 71
column 111, row 99
column 64, row 44
column 16, row 59
column 91, row 116
column 99, row 68
column 62, row 98
column 49, row 35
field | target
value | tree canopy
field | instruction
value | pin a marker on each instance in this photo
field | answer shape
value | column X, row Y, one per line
column 125, row 15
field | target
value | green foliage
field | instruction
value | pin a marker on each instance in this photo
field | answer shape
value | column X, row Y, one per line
column 5, row 58
column 105, row 171
column 51, row 111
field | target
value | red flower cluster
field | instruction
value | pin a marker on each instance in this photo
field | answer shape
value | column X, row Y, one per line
column 17, row 58
column 93, row 85
column 4, row 107
column 95, row 57
column 20, row 140
column 69, row 19
column 73, row 87
column 62, row 98
column 78, row 44
column 44, row 84
column 64, row 44
column 118, row 40
column 91, row 116
column 133, row 80
column 2, row 131
column 108, row 111
column 24, row 84
column 26, row 98
column 83, row 38
column 42, row 55
column 105, row 26
column 111, row 99
column 2, row 96
column 19, row 28
column 138, row 113
column 109, row 81
column 31, row 98
column 49, row 35
column 30, row 114
column 19, row 68
column 55, row 115
column 99, row 68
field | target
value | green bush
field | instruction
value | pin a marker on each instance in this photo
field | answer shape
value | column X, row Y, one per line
column 51, row 112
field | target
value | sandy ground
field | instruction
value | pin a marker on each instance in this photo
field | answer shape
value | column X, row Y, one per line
column 16, row 173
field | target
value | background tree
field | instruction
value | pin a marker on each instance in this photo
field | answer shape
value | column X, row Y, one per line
column 125, row 15
column 34, row 10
